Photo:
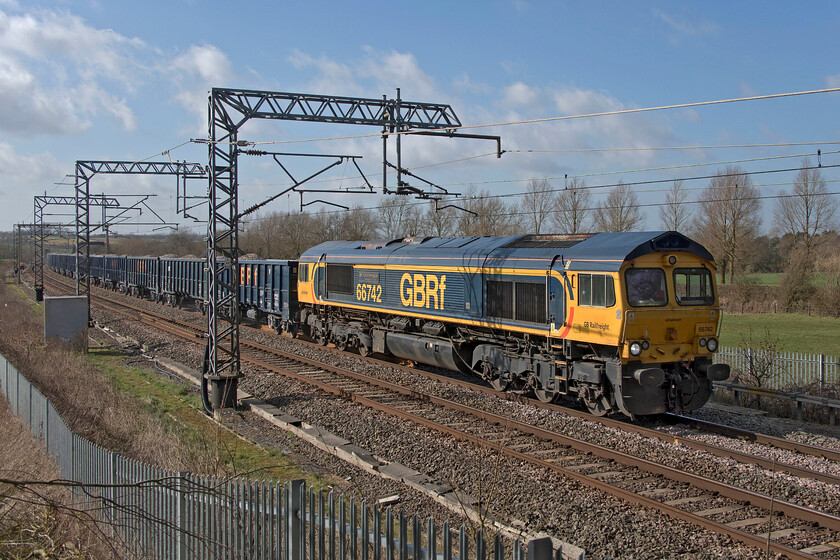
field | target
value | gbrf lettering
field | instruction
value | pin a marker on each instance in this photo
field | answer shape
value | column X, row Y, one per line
column 422, row 290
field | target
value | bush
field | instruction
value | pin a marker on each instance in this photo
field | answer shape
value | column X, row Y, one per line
column 797, row 285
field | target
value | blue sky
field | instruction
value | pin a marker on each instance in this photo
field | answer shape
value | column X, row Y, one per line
column 98, row 80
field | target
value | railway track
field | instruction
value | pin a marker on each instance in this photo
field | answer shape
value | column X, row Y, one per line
column 624, row 425
column 762, row 521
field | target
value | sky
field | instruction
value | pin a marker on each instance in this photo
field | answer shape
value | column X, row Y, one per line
column 128, row 81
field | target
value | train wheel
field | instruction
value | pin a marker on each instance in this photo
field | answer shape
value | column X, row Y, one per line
column 341, row 344
column 493, row 375
column 596, row 407
column 545, row 395
column 364, row 351
column 499, row 384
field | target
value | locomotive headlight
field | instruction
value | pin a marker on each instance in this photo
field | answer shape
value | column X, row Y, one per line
column 645, row 345
column 712, row 345
column 702, row 342
column 635, row 349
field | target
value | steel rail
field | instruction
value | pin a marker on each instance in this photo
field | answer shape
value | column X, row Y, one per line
column 825, row 520
column 716, row 450
column 763, row 439
column 740, row 494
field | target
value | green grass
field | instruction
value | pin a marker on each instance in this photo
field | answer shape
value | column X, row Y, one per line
column 767, row 278
column 17, row 291
column 792, row 332
column 181, row 410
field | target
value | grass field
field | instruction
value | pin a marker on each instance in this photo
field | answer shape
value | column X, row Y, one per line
column 793, row 333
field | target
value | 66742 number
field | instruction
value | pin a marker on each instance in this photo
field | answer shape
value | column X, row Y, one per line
column 369, row 292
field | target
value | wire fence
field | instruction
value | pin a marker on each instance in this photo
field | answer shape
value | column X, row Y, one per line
column 152, row 513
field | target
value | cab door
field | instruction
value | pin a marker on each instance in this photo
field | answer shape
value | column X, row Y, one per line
column 556, row 302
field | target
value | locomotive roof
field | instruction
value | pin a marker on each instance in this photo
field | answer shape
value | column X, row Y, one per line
column 599, row 251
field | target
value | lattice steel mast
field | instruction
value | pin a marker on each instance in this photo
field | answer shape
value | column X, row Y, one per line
column 85, row 170
column 228, row 110
column 41, row 202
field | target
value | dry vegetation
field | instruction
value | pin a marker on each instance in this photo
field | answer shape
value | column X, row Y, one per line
column 38, row 521
column 83, row 396
column 91, row 394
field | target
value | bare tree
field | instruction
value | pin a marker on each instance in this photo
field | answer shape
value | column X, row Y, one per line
column 485, row 215
column 261, row 235
column 729, row 217
column 398, row 217
column 440, row 220
column 300, row 234
column 356, row 223
column 674, row 213
column 620, row 211
column 807, row 212
column 537, row 205
column 573, row 208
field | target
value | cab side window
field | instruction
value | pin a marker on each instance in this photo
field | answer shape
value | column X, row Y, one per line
column 596, row 290
column 303, row 273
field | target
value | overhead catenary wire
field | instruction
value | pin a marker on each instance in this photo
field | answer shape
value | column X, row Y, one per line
column 663, row 148
column 603, row 173
column 537, row 120
column 167, row 152
column 612, row 185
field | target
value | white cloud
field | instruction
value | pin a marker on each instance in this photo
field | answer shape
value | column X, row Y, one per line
column 28, row 110
column 465, row 85
column 47, row 36
column 394, row 69
column 332, row 76
column 682, row 29
column 747, row 90
column 194, row 73
column 375, row 73
column 520, row 94
column 833, row 81
column 205, row 62
column 371, row 75
column 55, row 71
column 574, row 101
column 20, row 173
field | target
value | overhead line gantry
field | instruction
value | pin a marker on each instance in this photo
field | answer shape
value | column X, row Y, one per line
column 229, row 110
column 85, row 170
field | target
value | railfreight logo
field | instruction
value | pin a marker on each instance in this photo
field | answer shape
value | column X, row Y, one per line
column 422, row 290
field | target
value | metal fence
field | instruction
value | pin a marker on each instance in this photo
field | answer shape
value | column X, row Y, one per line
column 152, row 513
column 781, row 370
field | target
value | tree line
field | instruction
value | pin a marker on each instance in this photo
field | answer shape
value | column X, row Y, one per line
column 725, row 216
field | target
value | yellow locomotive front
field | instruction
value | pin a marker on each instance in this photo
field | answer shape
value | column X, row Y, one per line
column 641, row 336
column 669, row 333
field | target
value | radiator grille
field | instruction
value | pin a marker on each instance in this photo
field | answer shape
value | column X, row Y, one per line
column 530, row 302
column 339, row 279
column 500, row 299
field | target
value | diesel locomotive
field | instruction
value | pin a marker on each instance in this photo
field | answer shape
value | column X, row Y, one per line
column 624, row 322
